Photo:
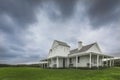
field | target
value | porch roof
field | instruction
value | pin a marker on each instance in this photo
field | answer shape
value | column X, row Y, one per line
column 57, row 56
column 83, row 53
column 115, row 58
column 43, row 62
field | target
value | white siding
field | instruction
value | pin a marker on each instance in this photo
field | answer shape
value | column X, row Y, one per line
column 60, row 62
column 62, row 51
column 84, row 60
column 74, row 61
column 55, row 44
column 94, row 49
column 52, row 62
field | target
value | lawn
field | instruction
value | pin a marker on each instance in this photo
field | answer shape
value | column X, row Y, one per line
column 27, row 73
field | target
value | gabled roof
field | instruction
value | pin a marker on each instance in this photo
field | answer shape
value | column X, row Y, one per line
column 83, row 49
column 62, row 43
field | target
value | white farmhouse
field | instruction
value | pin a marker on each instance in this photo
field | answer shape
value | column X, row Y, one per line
column 60, row 56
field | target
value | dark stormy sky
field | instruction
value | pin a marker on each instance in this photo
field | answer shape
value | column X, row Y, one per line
column 28, row 27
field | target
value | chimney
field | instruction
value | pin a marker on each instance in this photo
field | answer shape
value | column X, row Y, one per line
column 79, row 45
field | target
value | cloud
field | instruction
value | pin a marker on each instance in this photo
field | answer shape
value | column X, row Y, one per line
column 22, row 11
column 28, row 27
column 15, row 15
column 103, row 12
column 66, row 7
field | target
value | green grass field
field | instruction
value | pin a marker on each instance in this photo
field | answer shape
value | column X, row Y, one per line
column 27, row 73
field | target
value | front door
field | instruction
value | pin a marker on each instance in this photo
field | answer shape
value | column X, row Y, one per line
column 63, row 62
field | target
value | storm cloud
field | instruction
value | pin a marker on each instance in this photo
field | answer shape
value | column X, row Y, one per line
column 28, row 27
column 103, row 12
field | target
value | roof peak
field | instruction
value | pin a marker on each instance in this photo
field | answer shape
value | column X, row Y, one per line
column 91, row 44
column 62, row 43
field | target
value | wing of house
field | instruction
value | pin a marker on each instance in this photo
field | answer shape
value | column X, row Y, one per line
column 59, row 49
column 94, row 48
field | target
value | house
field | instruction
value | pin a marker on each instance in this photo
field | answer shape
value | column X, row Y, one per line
column 61, row 56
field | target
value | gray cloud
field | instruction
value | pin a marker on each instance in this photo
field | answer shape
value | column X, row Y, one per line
column 66, row 7
column 15, row 15
column 60, row 10
column 103, row 12
column 28, row 27
column 22, row 11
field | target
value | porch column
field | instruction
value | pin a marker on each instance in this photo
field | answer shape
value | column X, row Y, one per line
column 90, row 61
column 107, row 61
column 42, row 65
column 76, row 61
column 102, row 61
column 57, row 62
column 48, row 63
column 51, row 65
column 113, row 62
column 68, row 63
column 97, row 60
column 110, row 62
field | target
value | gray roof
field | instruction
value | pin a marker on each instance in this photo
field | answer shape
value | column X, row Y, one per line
column 83, row 49
column 62, row 43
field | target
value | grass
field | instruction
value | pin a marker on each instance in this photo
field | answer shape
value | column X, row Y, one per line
column 27, row 73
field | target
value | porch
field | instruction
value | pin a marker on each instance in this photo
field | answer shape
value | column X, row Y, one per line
column 57, row 62
column 89, row 60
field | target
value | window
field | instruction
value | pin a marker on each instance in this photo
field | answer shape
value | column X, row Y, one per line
column 51, row 50
column 78, row 59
